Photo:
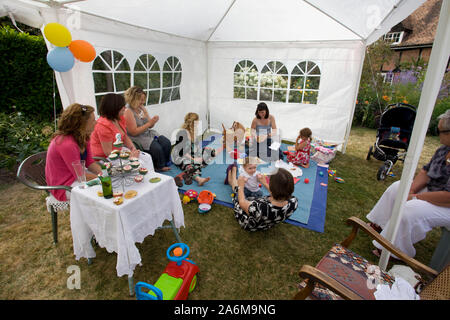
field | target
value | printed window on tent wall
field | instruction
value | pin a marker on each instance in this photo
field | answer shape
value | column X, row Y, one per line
column 111, row 72
column 305, row 81
column 147, row 75
column 171, row 80
column 273, row 82
column 246, row 80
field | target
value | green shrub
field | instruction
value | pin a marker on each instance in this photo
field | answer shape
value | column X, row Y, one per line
column 26, row 79
column 21, row 137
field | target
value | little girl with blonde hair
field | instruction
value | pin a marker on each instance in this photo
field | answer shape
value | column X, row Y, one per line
column 187, row 161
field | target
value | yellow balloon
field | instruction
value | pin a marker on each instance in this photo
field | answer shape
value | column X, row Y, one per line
column 57, row 34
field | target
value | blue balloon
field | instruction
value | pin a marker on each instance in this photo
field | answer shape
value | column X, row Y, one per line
column 60, row 59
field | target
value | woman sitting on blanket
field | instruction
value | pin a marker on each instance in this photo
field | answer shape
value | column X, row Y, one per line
column 263, row 130
column 185, row 155
column 267, row 211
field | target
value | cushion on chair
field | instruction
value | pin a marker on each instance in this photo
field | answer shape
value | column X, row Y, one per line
column 352, row 271
column 56, row 204
column 439, row 288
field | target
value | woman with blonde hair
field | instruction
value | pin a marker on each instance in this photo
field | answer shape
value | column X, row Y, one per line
column 140, row 129
column 70, row 143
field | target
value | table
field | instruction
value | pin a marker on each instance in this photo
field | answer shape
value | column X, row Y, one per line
column 118, row 227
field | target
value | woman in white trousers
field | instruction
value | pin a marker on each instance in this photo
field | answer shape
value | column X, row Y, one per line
column 428, row 203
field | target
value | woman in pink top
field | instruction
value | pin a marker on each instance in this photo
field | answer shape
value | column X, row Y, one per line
column 111, row 122
column 70, row 143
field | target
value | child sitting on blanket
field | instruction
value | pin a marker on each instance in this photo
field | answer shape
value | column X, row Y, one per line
column 252, row 188
column 302, row 149
column 184, row 154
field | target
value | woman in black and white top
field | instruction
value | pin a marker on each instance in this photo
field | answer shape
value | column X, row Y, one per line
column 263, row 213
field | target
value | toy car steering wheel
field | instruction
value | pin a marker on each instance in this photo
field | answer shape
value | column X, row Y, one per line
column 179, row 259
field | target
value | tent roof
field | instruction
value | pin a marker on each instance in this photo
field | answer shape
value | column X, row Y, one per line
column 242, row 20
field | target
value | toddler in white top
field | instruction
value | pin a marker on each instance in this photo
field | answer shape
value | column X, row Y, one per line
column 252, row 187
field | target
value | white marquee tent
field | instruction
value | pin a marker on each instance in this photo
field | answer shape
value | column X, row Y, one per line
column 211, row 37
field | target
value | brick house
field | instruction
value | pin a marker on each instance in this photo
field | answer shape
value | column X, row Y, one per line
column 412, row 38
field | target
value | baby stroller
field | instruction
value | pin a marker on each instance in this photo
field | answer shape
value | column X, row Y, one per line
column 393, row 136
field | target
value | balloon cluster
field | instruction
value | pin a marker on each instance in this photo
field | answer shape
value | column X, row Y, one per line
column 62, row 57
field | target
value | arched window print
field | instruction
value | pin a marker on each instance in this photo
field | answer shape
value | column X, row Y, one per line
column 111, row 73
column 147, row 75
column 171, row 80
column 246, row 80
column 305, row 81
column 273, row 82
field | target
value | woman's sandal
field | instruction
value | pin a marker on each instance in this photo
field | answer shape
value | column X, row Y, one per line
column 377, row 253
column 375, row 227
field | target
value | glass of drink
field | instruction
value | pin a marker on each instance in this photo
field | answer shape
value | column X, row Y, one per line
column 80, row 169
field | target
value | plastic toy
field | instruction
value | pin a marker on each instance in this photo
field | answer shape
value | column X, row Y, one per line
column 339, row 180
column 189, row 195
column 205, row 199
column 177, row 281
column 306, row 180
column 331, row 172
column 321, row 173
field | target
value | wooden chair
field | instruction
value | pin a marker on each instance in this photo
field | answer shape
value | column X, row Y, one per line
column 343, row 274
column 31, row 172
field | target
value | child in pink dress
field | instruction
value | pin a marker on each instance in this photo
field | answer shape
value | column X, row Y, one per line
column 302, row 149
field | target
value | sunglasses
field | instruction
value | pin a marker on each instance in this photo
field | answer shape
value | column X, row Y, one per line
column 443, row 131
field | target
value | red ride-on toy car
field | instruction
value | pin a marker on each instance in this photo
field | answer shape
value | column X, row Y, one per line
column 177, row 281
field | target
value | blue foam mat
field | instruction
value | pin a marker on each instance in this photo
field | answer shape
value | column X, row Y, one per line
column 312, row 197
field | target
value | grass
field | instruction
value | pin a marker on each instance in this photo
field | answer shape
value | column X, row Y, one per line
column 234, row 264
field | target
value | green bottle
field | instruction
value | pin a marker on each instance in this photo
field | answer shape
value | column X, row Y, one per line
column 106, row 183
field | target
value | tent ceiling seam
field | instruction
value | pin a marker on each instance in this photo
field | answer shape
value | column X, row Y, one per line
column 395, row 6
column 220, row 21
column 126, row 23
column 336, row 20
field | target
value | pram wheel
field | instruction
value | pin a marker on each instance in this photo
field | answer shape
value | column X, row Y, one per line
column 369, row 153
column 384, row 170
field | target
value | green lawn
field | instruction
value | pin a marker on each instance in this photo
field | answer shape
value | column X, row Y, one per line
column 234, row 264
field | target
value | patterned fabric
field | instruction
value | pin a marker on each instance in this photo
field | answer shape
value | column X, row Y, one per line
column 352, row 271
column 438, row 170
column 301, row 156
column 262, row 214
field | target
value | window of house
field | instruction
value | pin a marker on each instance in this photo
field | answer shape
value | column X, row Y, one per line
column 147, row 75
column 111, row 72
column 394, row 37
column 171, row 80
column 388, row 77
column 273, row 82
column 304, row 83
column 246, row 80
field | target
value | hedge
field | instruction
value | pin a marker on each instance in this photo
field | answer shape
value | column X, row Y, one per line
column 26, row 80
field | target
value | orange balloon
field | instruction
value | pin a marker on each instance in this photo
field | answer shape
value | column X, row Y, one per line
column 82, row 50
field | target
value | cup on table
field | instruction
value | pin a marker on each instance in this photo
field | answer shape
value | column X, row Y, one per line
column 80, row 169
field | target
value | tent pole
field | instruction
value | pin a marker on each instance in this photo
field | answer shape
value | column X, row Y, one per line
column 350, row 120
column 433, row 79
column 208, row 112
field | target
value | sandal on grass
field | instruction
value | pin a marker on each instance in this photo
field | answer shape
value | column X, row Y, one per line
column 377, row 253
column 375, row 227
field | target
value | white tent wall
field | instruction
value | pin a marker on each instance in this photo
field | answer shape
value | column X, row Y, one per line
column 339, row 63
column 77, row 85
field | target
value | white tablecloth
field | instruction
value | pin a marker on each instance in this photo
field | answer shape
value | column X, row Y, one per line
column 118, row 227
